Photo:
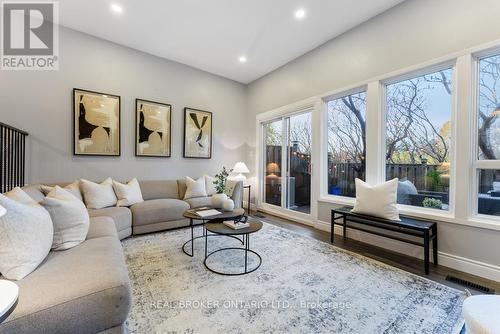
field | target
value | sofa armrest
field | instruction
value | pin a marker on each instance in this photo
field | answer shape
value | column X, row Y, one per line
column 237, row 195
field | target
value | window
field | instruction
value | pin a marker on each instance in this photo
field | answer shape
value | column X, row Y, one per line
column 488, row 136
column 418, row 138
column 346, row 143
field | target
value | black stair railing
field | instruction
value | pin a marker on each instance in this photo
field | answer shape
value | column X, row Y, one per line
column 12, row 157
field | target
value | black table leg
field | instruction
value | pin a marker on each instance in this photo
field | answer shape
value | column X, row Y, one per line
column 426, row 251
column 192, row 236
column 344, row 220
column 332, row 227
column 246, row 252
column 248, row 204
column 206, row 240
column 435, row 244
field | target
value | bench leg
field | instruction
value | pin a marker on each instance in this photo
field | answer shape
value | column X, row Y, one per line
column 426, row 252
column 332, row 227
column 435, row 245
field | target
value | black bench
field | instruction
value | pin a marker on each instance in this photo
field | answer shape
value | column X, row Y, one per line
column 425, row 229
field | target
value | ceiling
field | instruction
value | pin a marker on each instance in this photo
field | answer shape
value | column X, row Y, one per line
column 211, row 35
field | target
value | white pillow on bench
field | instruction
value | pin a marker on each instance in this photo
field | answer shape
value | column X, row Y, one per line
column 379, row 200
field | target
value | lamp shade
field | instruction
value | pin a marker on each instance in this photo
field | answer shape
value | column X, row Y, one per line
column 240, row 168
column 2, row 211
column 273, row 168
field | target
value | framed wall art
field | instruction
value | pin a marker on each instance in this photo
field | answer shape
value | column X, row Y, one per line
column 152, row 129
column 197, row 133
column 96, row 123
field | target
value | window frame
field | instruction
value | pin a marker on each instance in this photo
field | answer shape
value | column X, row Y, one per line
column 363, row 88
column 446, row 65
column 477, row 165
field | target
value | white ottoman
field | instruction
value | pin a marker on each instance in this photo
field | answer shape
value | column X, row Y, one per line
column 482, row 314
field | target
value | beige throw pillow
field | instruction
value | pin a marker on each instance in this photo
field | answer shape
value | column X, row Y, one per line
column 69, row 217
column 195, row 188
column 209, row 185
column 73, row 189
column 98, row 196
column 128, row 194
column 26, row 234
column 379, row 200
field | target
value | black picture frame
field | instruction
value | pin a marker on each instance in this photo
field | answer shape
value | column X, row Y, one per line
column 210, row 114
column 136, row 130
column 77, row 152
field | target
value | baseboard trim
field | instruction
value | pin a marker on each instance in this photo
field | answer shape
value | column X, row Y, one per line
column 291, row 217
column 466, row 265
column 470, row 266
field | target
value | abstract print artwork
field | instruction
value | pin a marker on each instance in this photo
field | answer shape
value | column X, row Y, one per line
column 197, row 134
column 96, row 123
column 153, row 128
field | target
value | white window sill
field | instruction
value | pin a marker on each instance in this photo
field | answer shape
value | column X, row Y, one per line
column 483, row 222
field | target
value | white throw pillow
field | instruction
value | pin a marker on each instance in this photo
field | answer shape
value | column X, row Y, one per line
column 496, row 186
column 69, row 218
column 195, row 188
column 209, row 185
column 379, row 200
column 128, row 194
column 73, row 189
column 26, row 234
column 98, row 196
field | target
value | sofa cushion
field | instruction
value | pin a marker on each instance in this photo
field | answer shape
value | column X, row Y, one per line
column 84, row 288
column 181, row 184
column 158, row 210
column 159, row 189
column 26, row 234
column 120, row 215
column 69, row 218
column 98, row 195
column 101, row 227
column 199, row 201
column 35, row 192
column 195, row 188
column 128, row 194
column 73, row 188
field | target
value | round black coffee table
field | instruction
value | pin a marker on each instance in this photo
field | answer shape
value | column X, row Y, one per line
column 236, row 214
column 217, row 227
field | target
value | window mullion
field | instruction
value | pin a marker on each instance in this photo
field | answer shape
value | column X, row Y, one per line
column 375, row 120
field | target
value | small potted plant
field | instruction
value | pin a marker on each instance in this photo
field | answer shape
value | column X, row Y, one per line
column 220, row 197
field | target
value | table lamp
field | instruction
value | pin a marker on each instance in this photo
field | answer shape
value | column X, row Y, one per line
column 272, row 169
column 240, row 168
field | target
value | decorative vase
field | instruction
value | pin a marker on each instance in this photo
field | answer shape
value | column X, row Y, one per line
column 228, row 205
column 218, row 200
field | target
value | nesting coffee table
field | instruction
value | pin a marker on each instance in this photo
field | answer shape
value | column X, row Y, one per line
column 218, row 228
column 236, row 214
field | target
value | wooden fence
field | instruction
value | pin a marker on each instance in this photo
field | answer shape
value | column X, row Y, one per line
column 341, row 176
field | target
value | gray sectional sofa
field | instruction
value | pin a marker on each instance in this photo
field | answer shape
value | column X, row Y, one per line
column 86, row 289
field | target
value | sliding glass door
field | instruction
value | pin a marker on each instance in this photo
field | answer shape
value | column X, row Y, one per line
column 273, row 139
column 287, row 162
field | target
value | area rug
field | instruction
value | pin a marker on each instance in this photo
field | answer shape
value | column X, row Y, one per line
column 303, row 286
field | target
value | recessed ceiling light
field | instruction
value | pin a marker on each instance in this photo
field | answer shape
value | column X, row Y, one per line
column 116, row 8
column 300, row 14
column 242, row 59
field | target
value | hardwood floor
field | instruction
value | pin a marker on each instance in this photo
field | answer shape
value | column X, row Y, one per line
column 401, row 261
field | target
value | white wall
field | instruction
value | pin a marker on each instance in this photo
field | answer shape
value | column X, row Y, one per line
column 40, row 103
column 414, row 32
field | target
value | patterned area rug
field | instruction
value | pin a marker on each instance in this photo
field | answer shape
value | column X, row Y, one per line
column 303, row 286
